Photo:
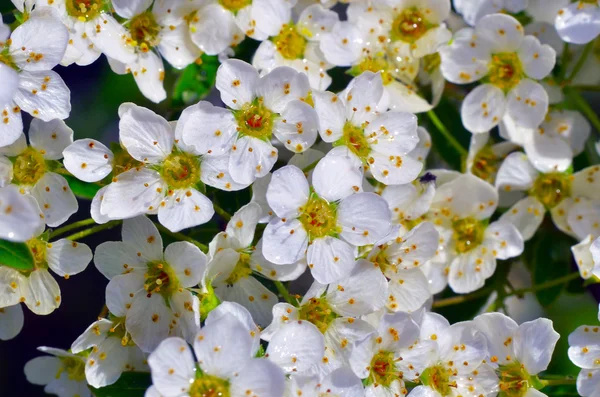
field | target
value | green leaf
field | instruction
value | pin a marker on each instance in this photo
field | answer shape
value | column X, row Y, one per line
column 15, row 255
column 82, row 189
column 196, row 81
column 130, row 384
column 551, row 259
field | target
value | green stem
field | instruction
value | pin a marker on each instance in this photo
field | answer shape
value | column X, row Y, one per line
column 455, row 300
column 447, row 134
column 559, row 382
column 92, row 230
column 584, row 107
column 310, row 166
column 585, row 87
column 285, row 293
column 72, row 226
column 224, row 214
column 581, row 61
column 564, row 60
column 181, row 237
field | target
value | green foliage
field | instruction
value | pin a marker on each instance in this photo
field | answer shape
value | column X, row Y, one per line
column 196, row 81
column 15, row 255
column 82, row 189
column 130, row 384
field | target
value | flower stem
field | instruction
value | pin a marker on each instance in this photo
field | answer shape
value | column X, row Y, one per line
column 581, row 61
column 95, row 229
column 442, row 128
column 285, row 293
column 559, row 381
column 585, row 87
column 224, row 214
column 584, row 107
column 548, row 284
column 182, row 237
column 72, row 226
column 564, row 60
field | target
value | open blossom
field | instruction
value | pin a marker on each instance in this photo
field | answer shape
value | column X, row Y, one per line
column 379, row 142
column 20, row 216
column 297, row 46
column 111, row 352
column 260, row 108
column 584, row 352
column 550, row 188
column 224, row 364
column 578, row 22
column 28, row 83
column 508, row 65
column 233, row 259
column 340, row 382
column 485, row 158
column 63, row 374
column 11, row 321
column 325, row 223
column 30, row 169
column 149, row 288
column 518, row 352
column 587, row 256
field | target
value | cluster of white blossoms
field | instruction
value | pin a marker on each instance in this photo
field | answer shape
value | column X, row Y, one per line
column 324, row 126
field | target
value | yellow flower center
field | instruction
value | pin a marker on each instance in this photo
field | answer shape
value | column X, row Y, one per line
column 7, row 59
column 468, row 234
column 122, row 162
column 38, row 251
column 505, row 71
column 160, row 278
column 74, row 368
column 290, row 43
column 241, row 270
column 28, row 167
column 383, row 369
column 209, row 386
column 550, row 189
column 318, row 312
column 432, row 62
column 85, row 10
column 255, row 120
column 486, row 164
column 319, row 217
column 181, row 170
column 410, row 25
column 354, row 138
column 377, row 63
column 438, row 378
column 515, row 380
column 235, row 5
column 144, row 31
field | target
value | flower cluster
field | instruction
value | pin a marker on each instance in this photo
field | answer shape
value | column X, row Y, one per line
column 309, row 171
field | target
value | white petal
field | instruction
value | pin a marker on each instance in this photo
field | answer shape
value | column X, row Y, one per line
column 534, row 344
column 408, row 291
column 297, row 346
column 92, row 336
column 67, row 258
column 96, row 157
column 188, row 262
column 527, row 103
column 141, row 233
column 315, row 20
column 500, row 331
column 336, row 177
column 146, row 136
column 299, row 131
column 148, row 72
column 584, row 338
column 526, row 215
column 10, row 79
column 262, row 377
column 330, row 259
column 251, row 158
column 55, row 198
column 343, row 45
column 548, row 153
column 42, row 295
column 394, row 170
column 538, row 60
column 11, row 321
column 50, row 138
column 111, row 38
column 173, row 366
column 42, row 370
column 272, row 271
column 588, row 382
column 271, row 15
column 585, row 183
column 516, row 172
column 281, row 86
column 177, row 47
column 209, row 129
column 365, row 218
column 502, row 32
column 243, row 316
column 483, row 108
column 134, row 192
column 469, row 271
column 109, row 359
column 20, row 216
column 578, row 23
column 361, row 97
column 130, row 8
column 186, row 308
column 288, row 191
column 237, row 81
column 243, row 223
column 284, row 242
column 33, row 51
column 253, row 296
column 43, row 94
column 214, row 29
column 505, row 239
column 11, row 127
column 114, row 257
column 148, row 320
column 332, row 115
column 343, row 382
column 121, row 291
column 215, row 172
column 185, row 208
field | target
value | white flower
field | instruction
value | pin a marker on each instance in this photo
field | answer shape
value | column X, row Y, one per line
column 138, row 45
column 484, row 159
column 20, row 217
column 587, row 257
column 260, row 108
column 149, row 288
column 340, row 382
column 448, row 359
column 224, row 355
column 584, row 351
column 297, row 46
column 28, row 83
column 234, row 259
column 508, row 64
column 473, row 10
column 30, row 169
column 37, row 288
column 111, row 354
column 518, row 352
column 62, row 374
column 567, row 197
column 375, row 358
column 461, row 210
column 325, row 223
column 411, row 201
column 559, row 138
column 169, row 177
column 296, row 346
column 379, row 142
column 11, row 321
column 578, row 22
